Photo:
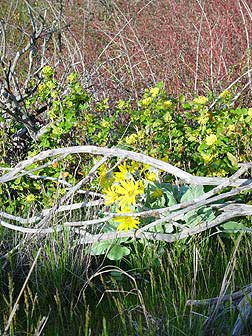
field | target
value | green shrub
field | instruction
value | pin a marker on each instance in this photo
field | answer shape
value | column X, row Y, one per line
column 205, row 136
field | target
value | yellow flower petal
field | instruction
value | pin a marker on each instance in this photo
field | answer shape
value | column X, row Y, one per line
column 211, row 139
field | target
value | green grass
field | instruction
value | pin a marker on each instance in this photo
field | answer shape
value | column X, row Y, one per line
column 144, row 294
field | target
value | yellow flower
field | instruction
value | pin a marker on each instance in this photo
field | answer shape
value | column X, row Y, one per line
column 30, row 198
column 146, row 102
column 121, row 104
column 105, row 176
column 131, row 139
column 146, row 166
column 123, row 173
column 41, row 87
column 134, row 166
column 72, row 77
column 207, row 158
column 110, row 195
column 151, row 176
column 154, row 91
column 201, row 100
column 157, row 193
column 221, row 173
column 124, row 193
column 192, row 137
column 126, row 223
column 203, row 119
column 55, row 94
column 250, row 112
column 230, row 129
column 168, row 104
column 167, row 117
column 47, row 71
column 232, row 159
column 211, row 139
column 105, row 124
column 141, row 134
column 127, row 192
column 225, row 94
column 157, row 123
column 102, row 177
column 165, row 159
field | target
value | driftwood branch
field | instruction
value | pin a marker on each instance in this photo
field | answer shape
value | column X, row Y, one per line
column 241, row 302
column 172, row 215
column 123, row 154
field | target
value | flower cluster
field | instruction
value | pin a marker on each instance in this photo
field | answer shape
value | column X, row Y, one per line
column 124, row 191
column 211, row 139
column 200, row 100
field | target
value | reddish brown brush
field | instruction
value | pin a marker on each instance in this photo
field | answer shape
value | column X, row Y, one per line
column 193, row 46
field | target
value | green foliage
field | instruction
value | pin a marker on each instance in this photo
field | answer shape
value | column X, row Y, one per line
column 64, row 109
column 156, row 195
column 197, row 135
column 234, row 227
column 77, row 298
column 205, row 136
column 188, row 134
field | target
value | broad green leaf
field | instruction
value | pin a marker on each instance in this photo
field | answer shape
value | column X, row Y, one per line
column 192, row 193
column 187, row 106
column 159, row 203
column 206, row 214
column 170, row 197
column 162, row 228
column 181, row 98
column 234, row 227
column 100, row 248
column 194, row 218
column 117, row 252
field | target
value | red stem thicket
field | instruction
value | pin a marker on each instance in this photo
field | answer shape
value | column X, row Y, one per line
column 195, row 47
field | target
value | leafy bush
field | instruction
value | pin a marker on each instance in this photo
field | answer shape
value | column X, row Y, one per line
column 205, row 136
column 133, row 188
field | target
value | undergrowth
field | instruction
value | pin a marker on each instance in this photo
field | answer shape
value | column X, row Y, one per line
column 144, row 294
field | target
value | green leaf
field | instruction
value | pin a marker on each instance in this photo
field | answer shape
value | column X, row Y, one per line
column 100, row 248
column 160, row 85
column 232, row 159
column 187, row 106
column 194, row 218
column 234, row 227
column 206, row 214
column 181, row 98
column 192, row 193
column 170, row 197
column 158, row 203
column 117, row 252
